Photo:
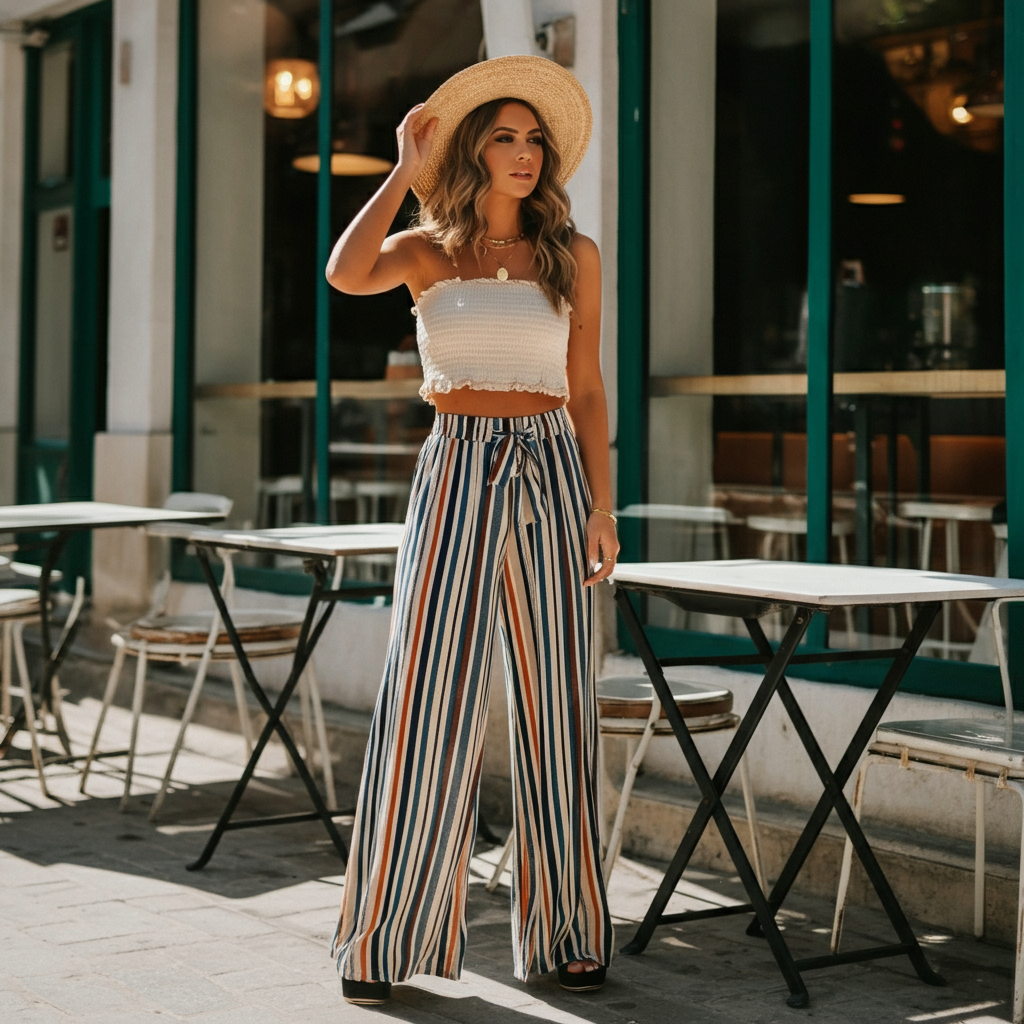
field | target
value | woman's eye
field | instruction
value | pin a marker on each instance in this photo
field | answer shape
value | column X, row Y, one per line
column 504, row 138
column 537, row 140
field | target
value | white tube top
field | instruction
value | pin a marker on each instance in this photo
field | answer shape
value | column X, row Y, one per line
column 491, row 335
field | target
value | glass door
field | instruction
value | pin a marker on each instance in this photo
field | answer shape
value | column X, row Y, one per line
column 65, row 257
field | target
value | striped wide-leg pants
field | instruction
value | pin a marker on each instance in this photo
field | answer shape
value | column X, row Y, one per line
column 495, row 538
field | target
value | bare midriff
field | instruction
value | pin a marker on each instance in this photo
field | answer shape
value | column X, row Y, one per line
column 502, row 404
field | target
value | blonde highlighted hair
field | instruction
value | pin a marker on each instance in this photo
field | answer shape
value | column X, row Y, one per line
column 452, row 216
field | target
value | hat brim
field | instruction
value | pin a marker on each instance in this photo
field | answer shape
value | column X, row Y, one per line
column 552, row 91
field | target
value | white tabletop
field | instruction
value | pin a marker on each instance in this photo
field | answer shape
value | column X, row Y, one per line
column 713, row 514
column 371, row 448
column 811, row 585
column 327, row 541
column 89, row 515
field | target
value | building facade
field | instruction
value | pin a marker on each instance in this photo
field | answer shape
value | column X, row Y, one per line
column 811, row 216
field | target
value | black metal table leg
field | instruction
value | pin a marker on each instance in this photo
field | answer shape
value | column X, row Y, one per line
column 834, row 798
column 711, row 806
column 308, row 637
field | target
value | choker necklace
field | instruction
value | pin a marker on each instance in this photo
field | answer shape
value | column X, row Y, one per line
column 502, row 243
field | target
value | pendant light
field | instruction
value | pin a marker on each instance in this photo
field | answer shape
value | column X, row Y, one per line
column 291, row 88
column 347, row 165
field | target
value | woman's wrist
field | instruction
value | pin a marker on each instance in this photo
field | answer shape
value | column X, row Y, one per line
column 606, row 512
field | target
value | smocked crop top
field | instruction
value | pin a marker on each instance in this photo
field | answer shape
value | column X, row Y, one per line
column 491, row 335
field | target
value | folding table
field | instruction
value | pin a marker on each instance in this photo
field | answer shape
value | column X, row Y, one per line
column 321, row 545
column 750, row 589
column 61, row 519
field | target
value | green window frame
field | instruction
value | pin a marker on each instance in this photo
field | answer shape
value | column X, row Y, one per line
column 930, row 676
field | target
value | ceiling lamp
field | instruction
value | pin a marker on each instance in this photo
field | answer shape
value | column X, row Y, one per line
column 876, row 198
column 291, row 88
column 350, row 165
column 959, row 113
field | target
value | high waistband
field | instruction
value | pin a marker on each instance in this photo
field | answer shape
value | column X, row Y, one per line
column 486, row 428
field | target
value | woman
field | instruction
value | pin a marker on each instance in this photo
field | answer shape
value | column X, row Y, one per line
column 508, row 526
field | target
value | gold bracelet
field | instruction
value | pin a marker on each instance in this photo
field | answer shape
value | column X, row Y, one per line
column 605, row 512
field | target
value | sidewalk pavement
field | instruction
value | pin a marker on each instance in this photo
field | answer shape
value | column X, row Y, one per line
column 100, row 922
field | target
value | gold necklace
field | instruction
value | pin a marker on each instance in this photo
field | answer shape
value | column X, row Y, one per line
column 502, row 243
column 502, row 274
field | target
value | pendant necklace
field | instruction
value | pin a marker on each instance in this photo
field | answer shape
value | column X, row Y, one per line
column 504, row 243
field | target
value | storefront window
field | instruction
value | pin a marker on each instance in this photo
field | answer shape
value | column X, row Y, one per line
column 916, row 221
column 256, row 264
column 919, row 465
column 728, row 253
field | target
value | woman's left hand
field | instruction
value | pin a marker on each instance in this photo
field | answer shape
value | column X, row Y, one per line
column 602, row 548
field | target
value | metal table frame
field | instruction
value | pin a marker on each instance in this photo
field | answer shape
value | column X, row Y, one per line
column 775, row 661
column 313, row 625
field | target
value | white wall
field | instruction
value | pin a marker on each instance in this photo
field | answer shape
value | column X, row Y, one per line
column 509, row 28
column 12, row 105
column 142, row 220
column 13, row 11
column 681, row 247
column 133, row 455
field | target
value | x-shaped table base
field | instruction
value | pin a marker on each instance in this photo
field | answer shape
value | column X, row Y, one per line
column 309, row 635
column 711, row 808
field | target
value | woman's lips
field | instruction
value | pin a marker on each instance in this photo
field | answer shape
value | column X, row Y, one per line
column 522, row 174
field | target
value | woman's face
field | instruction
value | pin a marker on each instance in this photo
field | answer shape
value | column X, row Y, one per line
column 514, row 151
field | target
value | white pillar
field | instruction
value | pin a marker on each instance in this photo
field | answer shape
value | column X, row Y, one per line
column 682, row 192
column 133, row 456
column 508, row 27
column 12, row 108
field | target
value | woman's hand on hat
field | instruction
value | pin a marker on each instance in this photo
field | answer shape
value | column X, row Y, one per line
column 414, row 142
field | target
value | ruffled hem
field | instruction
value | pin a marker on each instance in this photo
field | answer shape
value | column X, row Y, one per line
column 443, row 387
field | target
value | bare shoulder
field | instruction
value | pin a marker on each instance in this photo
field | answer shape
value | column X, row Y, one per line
column 588, row 257
column 406, row 243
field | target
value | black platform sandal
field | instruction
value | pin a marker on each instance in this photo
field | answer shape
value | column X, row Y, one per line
column 581, row 981
column 365, row 993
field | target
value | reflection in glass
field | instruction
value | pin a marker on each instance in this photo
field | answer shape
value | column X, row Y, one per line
column 256, row 261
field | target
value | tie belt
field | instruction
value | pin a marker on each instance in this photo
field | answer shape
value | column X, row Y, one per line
column 517, row 456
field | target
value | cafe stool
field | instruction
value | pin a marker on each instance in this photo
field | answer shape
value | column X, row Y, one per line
column 200, row 639
column 984, row 752
column 20, row 607
column 627, row 707
column 780, row 535
column 951, row 514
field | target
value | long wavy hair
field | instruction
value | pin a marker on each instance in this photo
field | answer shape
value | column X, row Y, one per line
column 452, row 217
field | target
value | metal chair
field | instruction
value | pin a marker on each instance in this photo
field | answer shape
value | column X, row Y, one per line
column 628, row 707
column 982, row 751
column 200, row 639
column 19, row 607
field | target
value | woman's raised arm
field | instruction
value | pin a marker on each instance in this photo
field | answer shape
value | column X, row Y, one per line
column 365, row 260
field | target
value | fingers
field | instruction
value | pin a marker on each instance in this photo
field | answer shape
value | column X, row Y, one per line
column 602, row 551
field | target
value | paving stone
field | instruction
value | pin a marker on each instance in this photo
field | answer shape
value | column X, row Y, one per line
column 220, row 922
column 179, row 990
column 101, row 923
column 86, row 993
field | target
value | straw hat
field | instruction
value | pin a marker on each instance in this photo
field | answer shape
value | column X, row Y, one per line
column 551, row 90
